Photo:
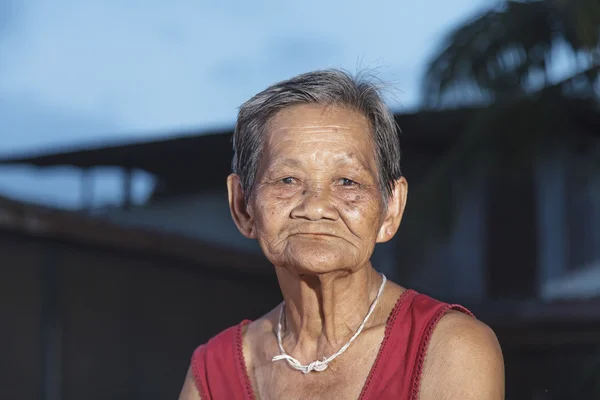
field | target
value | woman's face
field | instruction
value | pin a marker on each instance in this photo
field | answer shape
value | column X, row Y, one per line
column 317, row 206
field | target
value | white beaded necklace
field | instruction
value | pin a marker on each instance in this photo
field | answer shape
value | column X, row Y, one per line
column 319, row 365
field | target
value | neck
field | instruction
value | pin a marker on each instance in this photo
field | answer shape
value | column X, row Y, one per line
column 323, row 311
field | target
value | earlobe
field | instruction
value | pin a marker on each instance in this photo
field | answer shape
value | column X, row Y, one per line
column 238, row 207
column 394, row 212
column 385, row 234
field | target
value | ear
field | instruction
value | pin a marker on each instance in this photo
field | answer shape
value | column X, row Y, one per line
column 394, row 212
column 237, row 205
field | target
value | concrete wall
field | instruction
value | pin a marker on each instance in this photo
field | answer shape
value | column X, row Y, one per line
column 20, row 320
column 568, row 201
column 110, row 324
column 454, row 269
column 204, row 216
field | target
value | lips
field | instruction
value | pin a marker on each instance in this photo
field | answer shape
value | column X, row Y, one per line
column 315, row 234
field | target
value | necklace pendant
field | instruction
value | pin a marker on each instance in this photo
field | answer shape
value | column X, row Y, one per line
column 318, row 366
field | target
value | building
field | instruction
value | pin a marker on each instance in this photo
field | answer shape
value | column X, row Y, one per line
column 523, row 254
column 91, row 310
column 189, row 197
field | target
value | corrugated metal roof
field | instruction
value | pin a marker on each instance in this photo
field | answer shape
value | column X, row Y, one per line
column 197, row 149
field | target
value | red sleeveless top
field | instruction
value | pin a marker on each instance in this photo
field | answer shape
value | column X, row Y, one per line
column 220, row 372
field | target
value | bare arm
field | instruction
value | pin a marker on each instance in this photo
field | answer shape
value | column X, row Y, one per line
column 189, row 390
column 464, row 361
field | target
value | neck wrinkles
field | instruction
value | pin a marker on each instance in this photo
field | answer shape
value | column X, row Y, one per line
column 323, row 312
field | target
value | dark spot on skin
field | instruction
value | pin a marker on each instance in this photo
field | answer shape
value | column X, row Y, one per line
column 303, row 192
column 357, row 198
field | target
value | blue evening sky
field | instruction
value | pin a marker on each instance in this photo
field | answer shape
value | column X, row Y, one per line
column 76, row 72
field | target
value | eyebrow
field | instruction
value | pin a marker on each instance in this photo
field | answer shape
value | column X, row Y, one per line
column 287, row 162
column 346, row 160
column 355, row 162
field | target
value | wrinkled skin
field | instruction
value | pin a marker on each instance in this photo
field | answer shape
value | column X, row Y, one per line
column 317, row 206
column 317, row 212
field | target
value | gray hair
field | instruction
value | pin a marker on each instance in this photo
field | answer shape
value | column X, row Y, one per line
column 330, row 87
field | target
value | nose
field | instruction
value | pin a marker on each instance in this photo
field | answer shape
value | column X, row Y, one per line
column 315, row 205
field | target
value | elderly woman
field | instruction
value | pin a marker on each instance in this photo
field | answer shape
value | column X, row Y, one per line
column 317, row 183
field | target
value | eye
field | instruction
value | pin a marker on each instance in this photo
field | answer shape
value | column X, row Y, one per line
column 288, row 180
column 347, row 182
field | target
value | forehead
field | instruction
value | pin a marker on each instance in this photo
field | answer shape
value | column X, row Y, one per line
column 310, row 124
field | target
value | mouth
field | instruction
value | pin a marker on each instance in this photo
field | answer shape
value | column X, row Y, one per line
column 316, row 235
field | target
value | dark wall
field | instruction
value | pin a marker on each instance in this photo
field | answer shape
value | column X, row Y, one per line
column 20, row 320
column 557, row 372
column 105, row 324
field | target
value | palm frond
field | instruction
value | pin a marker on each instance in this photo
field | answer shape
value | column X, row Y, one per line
column 503, row 51
column 581, row 24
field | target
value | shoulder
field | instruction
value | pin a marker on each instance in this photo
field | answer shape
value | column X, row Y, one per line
column 255, row 334
column 218, row 354
column 224, row 339
column 463, row 360
column 220, row 348
column 189, row 391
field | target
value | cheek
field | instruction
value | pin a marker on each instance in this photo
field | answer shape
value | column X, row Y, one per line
column 353, row 210
column 363, row 210
column 271, row 211
column 281, row 192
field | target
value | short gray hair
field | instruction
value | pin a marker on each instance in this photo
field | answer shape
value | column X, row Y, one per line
column 330, row 87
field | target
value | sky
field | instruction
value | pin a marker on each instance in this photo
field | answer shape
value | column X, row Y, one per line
column 95, row 71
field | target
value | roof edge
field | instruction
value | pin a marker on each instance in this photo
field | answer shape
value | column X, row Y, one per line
column 47, row 222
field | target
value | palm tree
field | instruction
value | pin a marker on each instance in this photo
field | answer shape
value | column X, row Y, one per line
column 510, row 50
column 503, row 63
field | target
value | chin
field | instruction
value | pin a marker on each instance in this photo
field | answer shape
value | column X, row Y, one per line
column 319, row 257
